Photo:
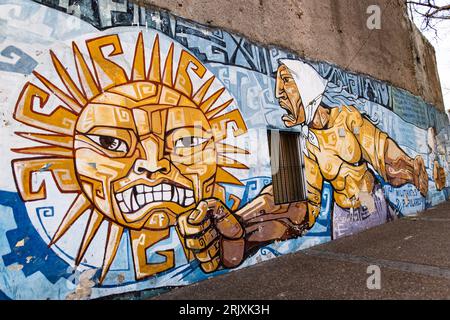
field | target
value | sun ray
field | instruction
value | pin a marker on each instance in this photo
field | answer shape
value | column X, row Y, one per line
column 62, row 170
column 52, row 139
column 112, row 244
column 57, row 145
column 79, row 206
column 61, row 120
column 95, row 220
column 227, row 148
column 223, row 176
column 201, row 92
column 46, row 150
column 219, row 109
column 67, row 80
column 138, row 69
column 208, row 103
column 220, row 124
column 107, row 72
column 68, row 101
column 154, row 72
column 183, row 80
column 168, row 66
column 87, row 80
column 224, row 161
column 236, row 201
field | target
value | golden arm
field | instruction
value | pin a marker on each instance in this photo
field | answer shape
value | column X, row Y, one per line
column 264, row 221
column 386, row 157
column 219, row 236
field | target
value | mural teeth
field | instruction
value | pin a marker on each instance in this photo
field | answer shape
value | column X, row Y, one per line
column 175, row 195
column 189, row 201
column 134, row 202
column 127, row 197
column 157, row 188
column 148, row 197
column 119, row 196
column 167, row 195
column 189, row 193
column 166, row 187
column 123, row 207
column 148, row 189
column 157, row 196
column 140, row 199
column 181, row 195
column 140, row 188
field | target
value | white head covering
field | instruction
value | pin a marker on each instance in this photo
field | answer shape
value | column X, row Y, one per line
column 311, row 87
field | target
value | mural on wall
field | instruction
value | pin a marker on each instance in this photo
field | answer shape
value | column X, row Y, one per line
column 140, row 157
column 143, row 152
column 340, row 144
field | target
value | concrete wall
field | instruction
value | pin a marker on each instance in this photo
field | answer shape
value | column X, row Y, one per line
column 136, row 150
column 329, row 30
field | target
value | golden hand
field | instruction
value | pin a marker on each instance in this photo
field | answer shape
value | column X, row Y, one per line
column 420, row 176
column 439, row 176
column 214, row 235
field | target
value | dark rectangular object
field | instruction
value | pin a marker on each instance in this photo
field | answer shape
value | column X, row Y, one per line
column 287, row 167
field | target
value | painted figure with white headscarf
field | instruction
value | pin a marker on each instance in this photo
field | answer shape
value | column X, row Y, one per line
column 338, row 146
column 341, row 146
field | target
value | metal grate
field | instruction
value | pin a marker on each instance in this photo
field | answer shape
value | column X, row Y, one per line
column 287, row 167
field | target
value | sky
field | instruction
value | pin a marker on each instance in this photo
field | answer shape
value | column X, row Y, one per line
column 441, row 43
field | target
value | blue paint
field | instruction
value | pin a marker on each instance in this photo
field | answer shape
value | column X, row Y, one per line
column 47, row 211
column 3, row 296
column 44, row 259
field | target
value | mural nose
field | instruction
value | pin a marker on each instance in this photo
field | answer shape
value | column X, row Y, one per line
column 151, row 161
column 149, row 167
column 279, row 90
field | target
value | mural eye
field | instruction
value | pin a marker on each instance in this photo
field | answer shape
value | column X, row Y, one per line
column 109, row 143
column 190, row 141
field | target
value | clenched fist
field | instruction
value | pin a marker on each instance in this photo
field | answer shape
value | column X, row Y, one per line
column 439, row 176
column 214, row 235
column 420, row 176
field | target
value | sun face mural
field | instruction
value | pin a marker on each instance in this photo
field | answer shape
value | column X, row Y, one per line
column 139, row 149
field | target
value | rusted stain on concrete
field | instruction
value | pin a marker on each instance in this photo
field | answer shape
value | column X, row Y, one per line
column 84, row 287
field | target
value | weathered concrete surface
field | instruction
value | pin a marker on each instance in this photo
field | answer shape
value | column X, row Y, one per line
column 413, row 254
column 329, row 30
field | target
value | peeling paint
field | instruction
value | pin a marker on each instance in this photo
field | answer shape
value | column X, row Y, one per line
column 15, row 267
column 120, row 278
column 84, row 288
column 368, row 201
column 20, row 243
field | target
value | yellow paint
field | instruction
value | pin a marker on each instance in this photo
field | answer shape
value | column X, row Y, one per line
column 116, row 131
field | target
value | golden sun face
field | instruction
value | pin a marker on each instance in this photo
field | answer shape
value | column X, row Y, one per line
column 136, row 155
column 139, row 150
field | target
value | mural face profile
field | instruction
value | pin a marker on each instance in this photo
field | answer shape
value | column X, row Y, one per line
column 139, row 151
column 288, row 96
column 340, row 145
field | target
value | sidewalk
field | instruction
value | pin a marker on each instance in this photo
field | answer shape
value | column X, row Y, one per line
column 413, row 254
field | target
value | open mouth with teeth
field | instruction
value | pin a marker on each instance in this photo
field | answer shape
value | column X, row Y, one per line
column 137, row 197
column 289, row 116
